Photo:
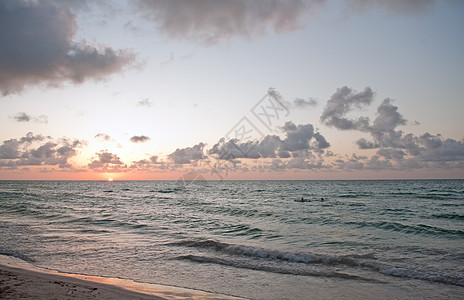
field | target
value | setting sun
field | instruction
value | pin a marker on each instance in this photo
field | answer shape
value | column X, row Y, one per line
column 110, row 179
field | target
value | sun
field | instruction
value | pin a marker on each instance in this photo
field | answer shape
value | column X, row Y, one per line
column 110, row 179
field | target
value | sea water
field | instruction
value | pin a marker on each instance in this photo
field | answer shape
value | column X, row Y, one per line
column 255, row 239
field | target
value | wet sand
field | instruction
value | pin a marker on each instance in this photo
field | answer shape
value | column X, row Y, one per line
column 20, row 280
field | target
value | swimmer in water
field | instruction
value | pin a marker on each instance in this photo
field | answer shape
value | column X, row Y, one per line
column 322, row 199
column 302, row 199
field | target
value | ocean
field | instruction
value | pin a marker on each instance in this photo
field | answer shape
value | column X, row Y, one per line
column 255, row 239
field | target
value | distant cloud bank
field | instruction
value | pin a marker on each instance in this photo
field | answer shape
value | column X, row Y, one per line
column 295, row 147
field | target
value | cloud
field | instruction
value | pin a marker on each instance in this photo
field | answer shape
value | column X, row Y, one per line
column 395, row 149
column 210, row 21
column 407, row 151
column 103, row 137
column 9, row 149
column 151, row 164
column 365, row 144
column 139, row 139
column 388, row 117
column 23, row 117
column 145, row 103
column 188, row 155
column 342, row 102
column 38, row 150
column 436, row 148
column 304, row 148
column 30, row 138
column 38, row 48
column 298, row 137
column 105, row 161
column 304, row 103
column 300, row 140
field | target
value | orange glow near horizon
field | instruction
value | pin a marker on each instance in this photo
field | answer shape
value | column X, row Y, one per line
column 55, row 174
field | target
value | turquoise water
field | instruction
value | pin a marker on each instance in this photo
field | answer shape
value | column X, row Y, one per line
column 246, row 238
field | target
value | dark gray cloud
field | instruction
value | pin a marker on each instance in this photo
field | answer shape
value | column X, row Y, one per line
column 30, row 138
column 188, row 155
column 365, row 144
column 341, row 103
column 304, row 103
column 211, row 21
column 300, row 140
column 383, row 128
column 152, row 163
column 436, row 148
column 390, row 153
column 9, row 149
column 395, row 149
column 139, row 139
column 288, row 126
column 38, row 48
column 103, row 137
column 38, row 150
column 407, row 151
column 23, row 117
column 388, row 117
column 105, row 161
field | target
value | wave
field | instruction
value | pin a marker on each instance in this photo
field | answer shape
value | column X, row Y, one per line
column 307, row 264
column 450, row 216
column 17, row 255
column 445, row 196
column 273, row 268
column 168, row 191
column 411, row 229
column 103, row 222
column 275, row 255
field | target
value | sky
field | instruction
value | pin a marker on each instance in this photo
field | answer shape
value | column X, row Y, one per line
column 231, row 89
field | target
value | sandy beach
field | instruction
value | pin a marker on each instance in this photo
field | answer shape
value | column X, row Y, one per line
column 20, row 280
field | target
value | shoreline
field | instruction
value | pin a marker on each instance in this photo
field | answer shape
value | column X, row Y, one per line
column 19, row 279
